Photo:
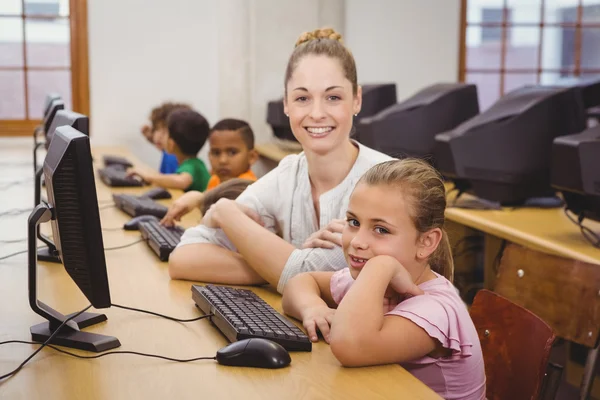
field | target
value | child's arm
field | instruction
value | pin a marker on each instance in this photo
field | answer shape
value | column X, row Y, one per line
column 307, row 297
column 180, row 181
column 182, row 206
column 360, row 333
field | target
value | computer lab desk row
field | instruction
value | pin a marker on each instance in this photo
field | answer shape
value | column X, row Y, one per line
column 138, row 279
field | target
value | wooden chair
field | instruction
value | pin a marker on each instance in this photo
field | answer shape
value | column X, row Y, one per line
column 516, row 345
column 563, row 292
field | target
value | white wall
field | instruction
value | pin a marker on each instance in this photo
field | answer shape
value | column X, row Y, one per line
column 413, row 43
column 144, row 52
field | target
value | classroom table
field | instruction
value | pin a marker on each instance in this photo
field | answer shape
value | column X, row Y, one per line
column 138, row 279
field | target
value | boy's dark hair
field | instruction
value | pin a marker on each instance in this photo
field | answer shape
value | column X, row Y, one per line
column 231, row 124
column 230, row 189
column 160, row 114
column 188, row 129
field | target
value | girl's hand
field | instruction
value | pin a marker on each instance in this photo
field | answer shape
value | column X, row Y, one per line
column 328, row 237
column 318, row 317
column 401, row 281
column 182, row 206
column 226, row 207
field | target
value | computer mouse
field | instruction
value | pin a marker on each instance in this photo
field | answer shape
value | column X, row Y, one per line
column 157, row 194
column 254, row 352
column 133, row 224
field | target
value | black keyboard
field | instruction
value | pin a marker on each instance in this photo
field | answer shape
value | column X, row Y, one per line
column 117, row 177
column 117, row 161
column 241, row 314
column 162, row 240
column 136, row 206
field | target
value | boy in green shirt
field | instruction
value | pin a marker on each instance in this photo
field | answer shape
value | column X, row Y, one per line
column 188, row 131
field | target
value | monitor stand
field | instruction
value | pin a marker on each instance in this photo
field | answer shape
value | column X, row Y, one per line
column 49, row 253
column 70, row 335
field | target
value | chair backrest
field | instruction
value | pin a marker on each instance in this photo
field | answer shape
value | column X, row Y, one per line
column 516, row 345
column 561, row 291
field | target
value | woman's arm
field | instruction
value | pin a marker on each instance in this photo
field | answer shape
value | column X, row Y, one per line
column 206, row 262
column 360, row 333
column 307, row 297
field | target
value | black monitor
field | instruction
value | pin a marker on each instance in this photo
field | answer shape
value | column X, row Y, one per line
column 68, row 117
column 409, row 128
column 50, row 97
column 375, row 97
column 576, row 171
column 72, row 209
column 503, row 154
column 55, row 105
column 590, row 89
column 62, row 118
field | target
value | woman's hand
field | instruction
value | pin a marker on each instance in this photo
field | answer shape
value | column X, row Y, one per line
column 228, row 208
column 328, row 237
column 318, row 317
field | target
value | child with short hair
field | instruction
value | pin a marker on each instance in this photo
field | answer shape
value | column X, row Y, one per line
column 188, row 131
column 156, row 133
column 395, row 302
column 231, row 156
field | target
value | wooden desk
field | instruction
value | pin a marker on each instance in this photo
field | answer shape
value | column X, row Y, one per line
column 139, row 279
column 273, row 152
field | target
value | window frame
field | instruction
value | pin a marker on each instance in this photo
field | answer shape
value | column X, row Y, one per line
column 80, row 90
column 579, row 25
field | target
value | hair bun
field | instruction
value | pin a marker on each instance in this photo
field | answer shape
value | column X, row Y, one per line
column 325, row 33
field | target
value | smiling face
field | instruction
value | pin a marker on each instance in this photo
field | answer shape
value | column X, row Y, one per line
column 379, row 223
column 320, row 104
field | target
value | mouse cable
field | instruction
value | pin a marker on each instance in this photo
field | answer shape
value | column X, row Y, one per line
column 15, row 211
column 17, row 253
column 13, row 372
column 161, row 315
column 124, row 246
column 181, row 360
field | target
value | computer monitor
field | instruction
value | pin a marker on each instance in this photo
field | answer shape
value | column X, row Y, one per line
column 72, row 209
column 503, row 154
column 68, row 117
column 375, row 98
column 409, row 128
column 55, row 105
column 62, row 118
column 50, row 97
column 576, row 171
column 590, row 89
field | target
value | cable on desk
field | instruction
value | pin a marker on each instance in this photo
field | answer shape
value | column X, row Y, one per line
column 17, row 253
column 120, row 228
column 587, row 233
column 181, row 360
column 15, row 211
column 13, row 240
column 107, row 206
column 7, row 185
column 43, row 344
column 124, row 246
column 161, row 315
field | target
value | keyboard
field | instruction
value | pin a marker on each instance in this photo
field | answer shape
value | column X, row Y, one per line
column 117, row 177
column 241, row 314
column 117, row 161
column 162, row 240
column 136, row 206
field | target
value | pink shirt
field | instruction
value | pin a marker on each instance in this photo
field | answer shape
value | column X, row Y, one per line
column 443, row 315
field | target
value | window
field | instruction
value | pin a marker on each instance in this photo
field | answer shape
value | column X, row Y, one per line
column 43, row 49
column 507, row 44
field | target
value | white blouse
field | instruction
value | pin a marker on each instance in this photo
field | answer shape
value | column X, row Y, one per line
column 283, row 199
